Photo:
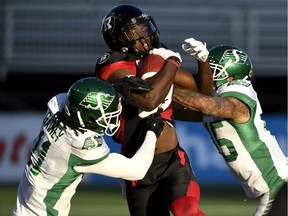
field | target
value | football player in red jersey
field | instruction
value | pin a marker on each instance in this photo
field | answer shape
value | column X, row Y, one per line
column 170, row 184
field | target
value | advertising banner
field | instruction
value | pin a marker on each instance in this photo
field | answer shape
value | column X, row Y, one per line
column 18, row 130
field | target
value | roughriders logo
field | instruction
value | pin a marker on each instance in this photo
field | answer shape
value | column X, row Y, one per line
column 234, row 56
column 92, row 142
column 96, row 100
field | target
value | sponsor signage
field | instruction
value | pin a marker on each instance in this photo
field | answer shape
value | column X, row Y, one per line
column 18, row 130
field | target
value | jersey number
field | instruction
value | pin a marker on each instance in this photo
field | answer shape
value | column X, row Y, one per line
column 35, row 167
column 225, row 146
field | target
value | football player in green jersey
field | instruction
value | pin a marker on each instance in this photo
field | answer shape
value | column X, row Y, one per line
column 70, row 143
column 233, row 119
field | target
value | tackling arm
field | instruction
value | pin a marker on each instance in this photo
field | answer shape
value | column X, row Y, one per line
column 203, row 78
column 118, row 166
column 226, row 107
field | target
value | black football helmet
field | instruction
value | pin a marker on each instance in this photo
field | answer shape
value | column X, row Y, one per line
column 94, row 104
column 126, row 26
column 229, row 61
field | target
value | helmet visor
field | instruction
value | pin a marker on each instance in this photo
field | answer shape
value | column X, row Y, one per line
column 140, row 34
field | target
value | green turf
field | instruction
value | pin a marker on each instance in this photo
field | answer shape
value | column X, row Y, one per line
column 99, row 201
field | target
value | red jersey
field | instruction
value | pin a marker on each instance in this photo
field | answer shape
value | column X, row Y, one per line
column 131, row 132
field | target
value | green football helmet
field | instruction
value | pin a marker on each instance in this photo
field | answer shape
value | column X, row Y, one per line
column 94, row 104
column 229, row 61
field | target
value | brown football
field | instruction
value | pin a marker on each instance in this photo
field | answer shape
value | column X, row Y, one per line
column 151, row 64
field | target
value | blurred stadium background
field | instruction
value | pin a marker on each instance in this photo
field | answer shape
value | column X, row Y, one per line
column 47, row 45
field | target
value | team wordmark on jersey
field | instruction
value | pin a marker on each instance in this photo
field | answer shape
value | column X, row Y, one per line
column 52, row 127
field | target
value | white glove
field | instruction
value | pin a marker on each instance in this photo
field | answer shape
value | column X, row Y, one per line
column 196, row 49
column 166, row 54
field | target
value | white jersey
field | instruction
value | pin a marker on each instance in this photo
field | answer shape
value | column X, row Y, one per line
column 59, row 158
column 49, row 180
column 250, row 151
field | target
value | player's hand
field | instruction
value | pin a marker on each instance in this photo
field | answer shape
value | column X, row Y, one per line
column 132, row 84
column 167, row 55
column 155, row 123
column 196, row 49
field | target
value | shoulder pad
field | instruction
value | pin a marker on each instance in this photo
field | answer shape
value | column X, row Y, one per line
column 114, row 56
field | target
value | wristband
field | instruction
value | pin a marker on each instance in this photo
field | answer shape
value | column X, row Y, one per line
column 174, row 60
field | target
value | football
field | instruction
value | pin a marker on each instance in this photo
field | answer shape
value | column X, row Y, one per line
column 151, row 64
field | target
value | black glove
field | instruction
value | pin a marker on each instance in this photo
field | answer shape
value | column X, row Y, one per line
column 132, row 84
column 129, row 85
column 155, row 123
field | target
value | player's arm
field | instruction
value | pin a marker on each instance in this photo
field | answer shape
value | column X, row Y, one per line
column 135, row 168
column 160, row 83
column 202, row 81
column 204, row 78
column 118, row 166
column 223, row 107
column 185, row 80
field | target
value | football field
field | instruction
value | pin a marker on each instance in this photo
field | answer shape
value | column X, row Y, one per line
column 99, row 201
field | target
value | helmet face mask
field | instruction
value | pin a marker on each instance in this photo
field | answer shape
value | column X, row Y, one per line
column 219, row 72
column 229, row 61
column 128, row 29
column 94, row 104
column 110, row 122
column 140, row 36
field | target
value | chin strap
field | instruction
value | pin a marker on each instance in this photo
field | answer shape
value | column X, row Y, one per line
column 245, row 78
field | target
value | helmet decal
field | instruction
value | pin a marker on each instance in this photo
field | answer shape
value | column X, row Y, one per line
column 233, row 56
column 107, row 23
column 97, row 100
column 81, row 122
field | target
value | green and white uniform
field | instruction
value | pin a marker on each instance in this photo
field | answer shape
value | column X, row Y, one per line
column 250, row 151
column 49, row 180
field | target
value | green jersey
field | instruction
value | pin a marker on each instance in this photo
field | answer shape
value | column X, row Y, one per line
column 249, row 149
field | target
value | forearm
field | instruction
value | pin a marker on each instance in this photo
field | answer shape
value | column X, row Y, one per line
column 204, row 79
column 118, row 166
column 216, row 106
column 142, row 160
column 160, row 85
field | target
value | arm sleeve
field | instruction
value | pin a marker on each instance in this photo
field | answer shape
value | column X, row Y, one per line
column 119, row 166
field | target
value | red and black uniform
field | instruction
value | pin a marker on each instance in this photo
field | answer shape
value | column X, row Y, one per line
column 170, row 176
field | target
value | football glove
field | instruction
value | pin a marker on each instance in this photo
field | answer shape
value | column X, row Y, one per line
column 167, row 55
column 196, row 49
column 131, row 84
column 155, row 123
